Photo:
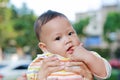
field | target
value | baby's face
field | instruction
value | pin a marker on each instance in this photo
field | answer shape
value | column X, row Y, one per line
column 59, row 36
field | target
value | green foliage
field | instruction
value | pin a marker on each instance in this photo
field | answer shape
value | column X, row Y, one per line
column 24, row 28
column 112, row 24
column 5, row 24
column 115, row 75
column 17, row 25
column 102, row 52
column 20, row 41
column 13, row 12
column 117, row 53
column 80, row 25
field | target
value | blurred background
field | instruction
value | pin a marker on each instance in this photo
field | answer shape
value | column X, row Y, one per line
column 97, row 23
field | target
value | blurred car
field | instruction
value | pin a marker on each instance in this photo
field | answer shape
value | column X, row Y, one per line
column 3, row 64
column 14, row 70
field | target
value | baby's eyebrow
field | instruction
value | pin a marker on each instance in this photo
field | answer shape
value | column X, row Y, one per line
column 56, row 34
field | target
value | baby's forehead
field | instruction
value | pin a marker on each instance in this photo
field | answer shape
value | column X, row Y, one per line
column 54, row 21
column 54, row 24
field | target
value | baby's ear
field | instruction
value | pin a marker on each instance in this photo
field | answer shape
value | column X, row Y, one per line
column 42, row 46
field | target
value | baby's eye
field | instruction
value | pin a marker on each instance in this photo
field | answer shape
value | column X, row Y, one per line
column 57, row 38
column 70, row 33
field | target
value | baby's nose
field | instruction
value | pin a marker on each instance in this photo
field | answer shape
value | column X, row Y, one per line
column 68, row 40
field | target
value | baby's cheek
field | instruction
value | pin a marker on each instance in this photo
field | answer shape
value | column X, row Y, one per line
column 77, row 42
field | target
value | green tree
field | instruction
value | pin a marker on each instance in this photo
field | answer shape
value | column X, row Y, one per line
column 111, row 25
column 23, row 26
column 80, row 26
column 5, row 24
column 17, row 25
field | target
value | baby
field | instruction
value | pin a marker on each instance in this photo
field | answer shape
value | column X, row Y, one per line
column 64, row 57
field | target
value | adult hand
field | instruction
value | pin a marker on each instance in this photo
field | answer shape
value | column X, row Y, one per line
column 79, row 68
column 48, row 66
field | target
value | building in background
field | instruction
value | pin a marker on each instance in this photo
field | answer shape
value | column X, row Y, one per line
column 94, row 30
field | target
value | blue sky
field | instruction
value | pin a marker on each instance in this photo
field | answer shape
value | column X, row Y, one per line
column 68, row 7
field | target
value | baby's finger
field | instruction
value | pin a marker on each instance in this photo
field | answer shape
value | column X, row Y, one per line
column 81, row 44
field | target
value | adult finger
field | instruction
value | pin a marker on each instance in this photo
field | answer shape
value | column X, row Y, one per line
column 79, row 68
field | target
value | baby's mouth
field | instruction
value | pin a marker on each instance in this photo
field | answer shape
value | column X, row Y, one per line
column 70, row 50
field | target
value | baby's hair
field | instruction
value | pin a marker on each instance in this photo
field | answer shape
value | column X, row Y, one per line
column 43, row 19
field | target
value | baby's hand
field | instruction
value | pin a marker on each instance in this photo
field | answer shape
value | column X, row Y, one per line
column 80, row 53
column 48, row 66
